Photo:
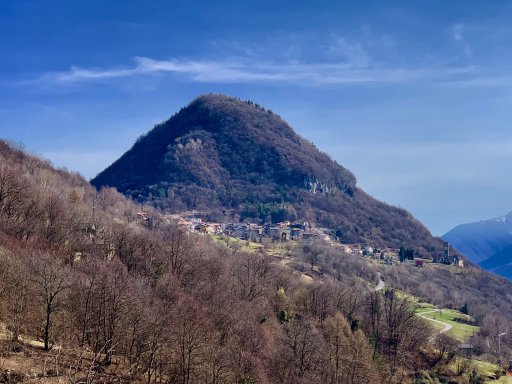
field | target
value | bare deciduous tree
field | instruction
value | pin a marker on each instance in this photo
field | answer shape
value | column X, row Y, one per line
column 50, row 280
column 251, row 273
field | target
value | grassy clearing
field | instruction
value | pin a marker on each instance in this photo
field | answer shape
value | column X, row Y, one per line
column 424, row 308
column 484, row 368
column 460, row 331
column 283, row 250
column 277, row 249
column 419, row 307
column 242, row 245
column 489, row 371
column 438, row 327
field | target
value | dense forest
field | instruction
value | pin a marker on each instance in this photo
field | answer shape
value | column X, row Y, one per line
column 91, row 293
column 235, row 160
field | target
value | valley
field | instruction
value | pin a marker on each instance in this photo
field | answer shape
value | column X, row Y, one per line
column 254, row 192
column 236, row 271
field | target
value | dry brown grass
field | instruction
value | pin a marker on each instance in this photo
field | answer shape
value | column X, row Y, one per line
column 31, row 364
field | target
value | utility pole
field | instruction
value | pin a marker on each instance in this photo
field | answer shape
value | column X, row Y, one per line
column 499, row 344
column 94, row 208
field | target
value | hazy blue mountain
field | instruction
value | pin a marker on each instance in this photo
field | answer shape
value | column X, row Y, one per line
column 483, row 239
column 500, row 263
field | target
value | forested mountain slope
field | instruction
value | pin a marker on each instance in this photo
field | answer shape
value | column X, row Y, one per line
column 91, row 291
column 109, row 295
column 235, row 159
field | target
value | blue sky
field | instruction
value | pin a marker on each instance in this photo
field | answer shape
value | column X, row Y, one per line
column 413, row 96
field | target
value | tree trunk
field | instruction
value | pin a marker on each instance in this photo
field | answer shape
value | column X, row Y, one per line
column 47, row 327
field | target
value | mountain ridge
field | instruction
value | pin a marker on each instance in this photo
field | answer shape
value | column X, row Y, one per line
column 238, row 160
column 209, row 107
column 482, row 239
column 500, row 263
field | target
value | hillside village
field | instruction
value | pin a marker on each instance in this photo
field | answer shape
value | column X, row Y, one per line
column 304, row 231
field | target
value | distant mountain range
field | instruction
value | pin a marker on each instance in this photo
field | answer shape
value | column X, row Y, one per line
column 486, row 242
column 235, row 160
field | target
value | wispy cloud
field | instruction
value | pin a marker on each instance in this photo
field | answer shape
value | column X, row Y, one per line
column 483, row 80
column 458, row 35
column 307, row 60
column 352, row 52
column 248, row 71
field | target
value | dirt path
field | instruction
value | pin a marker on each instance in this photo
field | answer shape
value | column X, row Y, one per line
column 380, row 285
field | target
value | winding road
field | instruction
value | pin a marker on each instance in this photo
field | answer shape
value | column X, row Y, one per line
column 447, row 326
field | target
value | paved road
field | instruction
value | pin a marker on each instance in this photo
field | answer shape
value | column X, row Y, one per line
column 447, row 326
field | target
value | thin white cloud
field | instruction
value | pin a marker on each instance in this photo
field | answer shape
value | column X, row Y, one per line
column 352, row 52
column 485, row 80
column 244, row 71
column 458, row 35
